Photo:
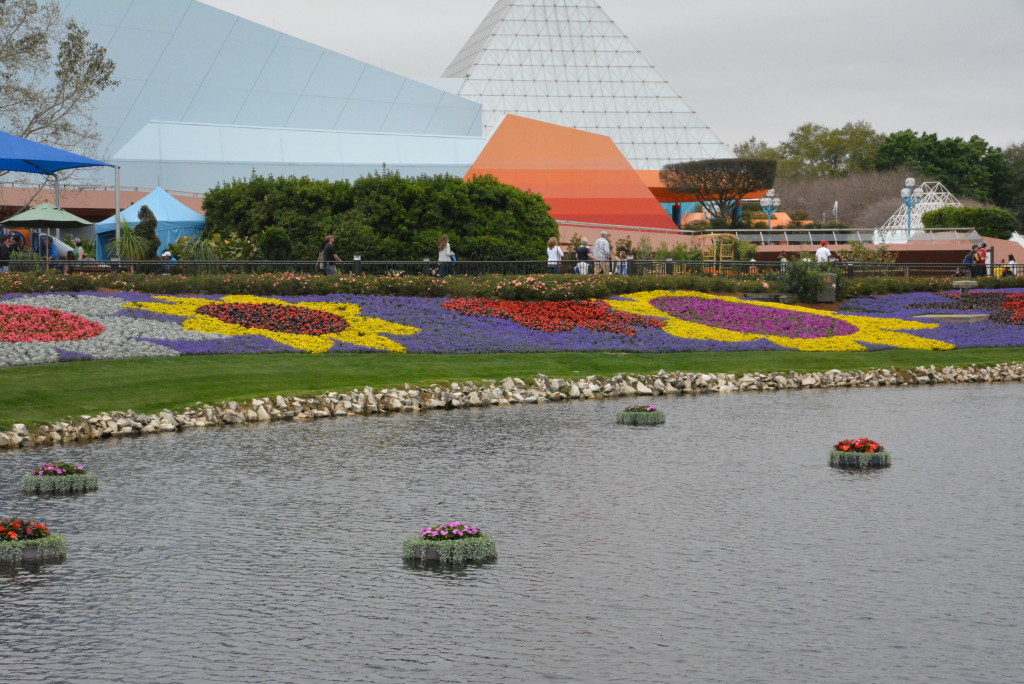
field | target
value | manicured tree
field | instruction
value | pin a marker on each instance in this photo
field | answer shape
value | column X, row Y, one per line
column 719, row 184
column 145, row 229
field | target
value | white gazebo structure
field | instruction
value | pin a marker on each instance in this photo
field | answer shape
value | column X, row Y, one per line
column 934, row 195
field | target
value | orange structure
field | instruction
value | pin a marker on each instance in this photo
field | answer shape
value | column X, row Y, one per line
column 582, row 176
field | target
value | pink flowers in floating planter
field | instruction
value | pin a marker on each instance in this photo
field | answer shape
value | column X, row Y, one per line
column 36, row 324
column 641, row 408
column 450, row 530
column 58, row 468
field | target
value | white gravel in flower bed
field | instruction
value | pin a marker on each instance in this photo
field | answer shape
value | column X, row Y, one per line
column 121, row 338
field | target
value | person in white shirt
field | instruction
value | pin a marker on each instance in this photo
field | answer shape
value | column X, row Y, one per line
column 555, row 255
column 823, row 254
column 602, row 254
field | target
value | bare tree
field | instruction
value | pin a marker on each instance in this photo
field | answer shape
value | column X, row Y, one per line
column 50, row 75
column 719, row 184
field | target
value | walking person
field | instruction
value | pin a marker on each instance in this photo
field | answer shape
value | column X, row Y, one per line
column 583, row 257
column 602, row 254
column 824, row 253
column 981, row 258
column 445, row 257
column 50, row 252
column 329, row 256
column 5, row 254
column 968, row 263
column 555, row 255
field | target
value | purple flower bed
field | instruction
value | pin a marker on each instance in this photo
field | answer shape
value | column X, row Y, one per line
column 750, row 318
column 960, row 333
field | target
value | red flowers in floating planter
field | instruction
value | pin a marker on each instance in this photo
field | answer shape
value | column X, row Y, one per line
column 295, row 320
column 557, row 316
column 859, row 446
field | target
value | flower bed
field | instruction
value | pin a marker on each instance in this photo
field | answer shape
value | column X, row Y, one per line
column 642, row 414
column 59, row 478
column 132, row 325
column 452, row 543
column 29, row 541
column 859, row 453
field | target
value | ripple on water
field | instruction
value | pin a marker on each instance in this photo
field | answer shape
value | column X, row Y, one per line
column 717, row 548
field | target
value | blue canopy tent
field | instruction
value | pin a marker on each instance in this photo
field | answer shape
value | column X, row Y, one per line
column 28, row 156
column 174, row 220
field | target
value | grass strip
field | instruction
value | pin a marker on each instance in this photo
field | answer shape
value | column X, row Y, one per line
column 45, row 394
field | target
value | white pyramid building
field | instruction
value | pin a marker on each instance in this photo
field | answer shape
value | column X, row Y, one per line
column 567, row 63
column 934, row 196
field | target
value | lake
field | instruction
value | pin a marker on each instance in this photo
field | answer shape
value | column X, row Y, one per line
column 719, row 547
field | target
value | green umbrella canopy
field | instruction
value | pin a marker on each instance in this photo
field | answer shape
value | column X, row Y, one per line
column 45, row 215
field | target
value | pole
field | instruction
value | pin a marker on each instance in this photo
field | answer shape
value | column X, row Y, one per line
column 117, row 205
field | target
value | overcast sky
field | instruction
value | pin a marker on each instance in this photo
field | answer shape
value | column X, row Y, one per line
column 747, row 67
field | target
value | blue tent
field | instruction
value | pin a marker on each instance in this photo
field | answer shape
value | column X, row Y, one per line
column 174, row 220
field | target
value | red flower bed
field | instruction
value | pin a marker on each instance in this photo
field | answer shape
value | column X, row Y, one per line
column 556, row 316
column 859, row 446
column 16, row 529
column 295, row 320
column 37, row 324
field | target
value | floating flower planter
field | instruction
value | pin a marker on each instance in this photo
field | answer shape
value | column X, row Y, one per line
column 859, row 453
column 26, row 541
column 452, row 543
column 643, row 414
column 59, row 478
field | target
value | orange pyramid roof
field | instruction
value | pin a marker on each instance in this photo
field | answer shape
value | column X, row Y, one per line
column 583, row 176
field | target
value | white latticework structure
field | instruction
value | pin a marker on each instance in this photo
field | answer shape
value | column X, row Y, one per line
column 934, row 196
column 567, row 63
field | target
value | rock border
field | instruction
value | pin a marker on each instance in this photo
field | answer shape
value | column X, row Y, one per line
column 541, row 389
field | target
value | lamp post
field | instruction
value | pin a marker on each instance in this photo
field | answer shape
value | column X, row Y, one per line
column 769, row 205
column 911, row 197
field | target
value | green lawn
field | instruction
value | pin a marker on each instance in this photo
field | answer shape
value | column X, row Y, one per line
column 42, row 394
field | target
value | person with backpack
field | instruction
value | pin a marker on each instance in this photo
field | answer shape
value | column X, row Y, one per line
column 968, row 262
column 981, row 259
column 328, row 257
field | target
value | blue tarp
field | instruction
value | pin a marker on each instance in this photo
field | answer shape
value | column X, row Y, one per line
column 27, row 156
column 174, row 221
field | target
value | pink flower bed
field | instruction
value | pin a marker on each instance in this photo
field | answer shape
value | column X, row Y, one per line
column 36, row 324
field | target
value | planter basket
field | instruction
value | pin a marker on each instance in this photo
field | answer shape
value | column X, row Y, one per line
column 51, row 548
column 640, row 418
column 480, row 549
column 856, row 459
column 60, row 484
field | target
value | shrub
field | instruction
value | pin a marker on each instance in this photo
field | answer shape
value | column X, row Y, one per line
column 274, row 244
column 988, row 221
column 804, row 279
column 59, row 478
column 452, row 543
column 17, row 535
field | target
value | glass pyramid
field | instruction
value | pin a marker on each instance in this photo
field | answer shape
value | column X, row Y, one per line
column 567, row 63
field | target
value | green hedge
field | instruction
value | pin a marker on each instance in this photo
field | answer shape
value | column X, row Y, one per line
column 478, row 549
column 50, row 548
column 988, row 221
column 60, row 484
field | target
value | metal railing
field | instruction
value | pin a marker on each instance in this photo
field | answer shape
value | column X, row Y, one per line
column 431, row 268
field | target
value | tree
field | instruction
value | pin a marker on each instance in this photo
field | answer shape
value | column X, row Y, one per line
column 970, row 168
column 50, row 75
column 815, row 151
column 1014, row 156
column 719, row 184
column 145, row 229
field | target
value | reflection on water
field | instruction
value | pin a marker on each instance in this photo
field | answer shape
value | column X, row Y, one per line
column 717, row 548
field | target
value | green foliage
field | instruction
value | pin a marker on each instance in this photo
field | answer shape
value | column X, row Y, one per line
column 189, row 249
column 1014, row 156
column 480, row 549
column 274, row 244
column 719, row 184
column 640, row 418
column 968, row 168
column 849, row 459
column 50, row 74
column 861, row 253
column 988, row 221
column 146, row 229
column 51, row 548
column 63, row 484
column 133, row 246
column 804, row 279
column 815, row 151
column 385, row 216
